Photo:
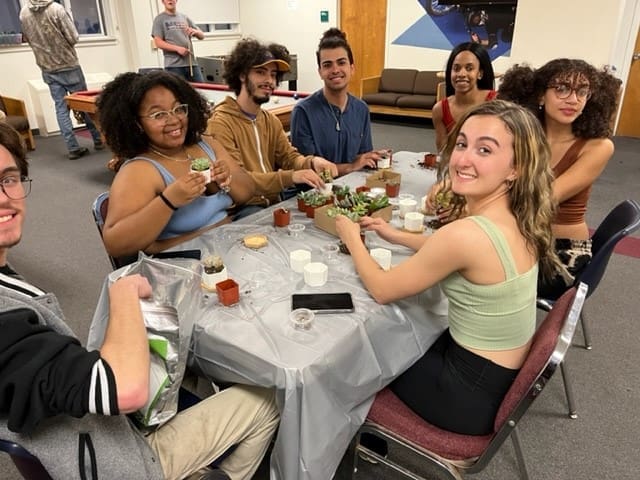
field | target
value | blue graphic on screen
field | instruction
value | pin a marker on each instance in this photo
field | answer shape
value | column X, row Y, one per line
column 446, row 24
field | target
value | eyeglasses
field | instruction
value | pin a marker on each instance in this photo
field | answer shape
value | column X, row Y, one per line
column 563, row 90
column 179, row 111
column 15, row 187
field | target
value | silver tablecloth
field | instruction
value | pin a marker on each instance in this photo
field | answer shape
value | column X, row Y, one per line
column 325, row 377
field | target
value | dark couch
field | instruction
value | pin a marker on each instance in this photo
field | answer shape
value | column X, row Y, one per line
column 402, row 91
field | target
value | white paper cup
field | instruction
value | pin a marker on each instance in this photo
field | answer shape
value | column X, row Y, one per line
column 205, row 173
column 315, row 274
column 414, row 221
column 382, row 256
column 407, row 205
column 298, row 259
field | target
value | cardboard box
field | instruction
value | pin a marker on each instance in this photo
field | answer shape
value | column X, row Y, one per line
column 381, row 177
column 328, row 224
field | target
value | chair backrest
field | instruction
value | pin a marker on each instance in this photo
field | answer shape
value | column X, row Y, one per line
column 620, row 222
column 549, row 345
column 29, row 466
column 99, row 210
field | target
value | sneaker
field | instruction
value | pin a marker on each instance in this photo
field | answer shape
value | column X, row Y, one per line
column 99, row 145
column 80, row 152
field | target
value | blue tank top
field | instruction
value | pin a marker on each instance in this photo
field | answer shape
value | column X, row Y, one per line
column 204, row 211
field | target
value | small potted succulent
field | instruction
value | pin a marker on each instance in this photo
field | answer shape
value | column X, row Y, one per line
column 327, row 178
column 314, row 200
column 340, row 191
column 392, row 188
column 202, row 166
column 213, row 271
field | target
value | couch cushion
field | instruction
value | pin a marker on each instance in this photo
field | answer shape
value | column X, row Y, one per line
column 398, row 80
column 416, row 101
column 426, row 83
column 388, row 98
column 18, row 122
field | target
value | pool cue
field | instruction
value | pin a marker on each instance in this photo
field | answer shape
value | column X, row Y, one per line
column 190, row 60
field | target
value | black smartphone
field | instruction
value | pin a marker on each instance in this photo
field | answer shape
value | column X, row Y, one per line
column 323, row 302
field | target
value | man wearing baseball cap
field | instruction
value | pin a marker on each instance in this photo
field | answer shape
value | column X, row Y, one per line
column 254, row 137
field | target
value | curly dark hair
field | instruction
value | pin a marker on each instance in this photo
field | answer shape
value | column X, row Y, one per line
column 119, row 102
column 12, row 141
column 334, row 38
column 488, row 77
column 526, row 86
column 247, row 53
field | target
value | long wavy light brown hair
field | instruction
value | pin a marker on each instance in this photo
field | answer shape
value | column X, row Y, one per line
column 530, row 195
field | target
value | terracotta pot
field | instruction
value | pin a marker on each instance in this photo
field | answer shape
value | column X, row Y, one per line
column 228, row 292
column 311, row 211
column 301, row 205
column 430, row 160
column 281, row 217
column 392, row 189
column 362, row 188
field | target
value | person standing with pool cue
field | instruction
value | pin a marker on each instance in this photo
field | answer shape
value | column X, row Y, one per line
column 172, row 32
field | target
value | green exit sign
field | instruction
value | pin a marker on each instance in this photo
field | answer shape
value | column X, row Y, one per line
column 324, row 16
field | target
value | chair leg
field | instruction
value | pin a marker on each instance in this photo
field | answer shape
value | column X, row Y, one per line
column 522, row 466
column 568, row 391
column 585, row 331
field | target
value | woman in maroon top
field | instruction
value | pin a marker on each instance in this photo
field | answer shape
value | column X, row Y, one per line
column 575, row 103
column 469, row 81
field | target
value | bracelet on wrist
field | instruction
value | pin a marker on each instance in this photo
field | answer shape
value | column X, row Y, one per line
column 167, row 202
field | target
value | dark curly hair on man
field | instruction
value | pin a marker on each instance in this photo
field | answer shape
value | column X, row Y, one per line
column 488, row 77
column 247, row 53
column 334, row 38
column 526, row 86
column 119, row 103
column 12, row 141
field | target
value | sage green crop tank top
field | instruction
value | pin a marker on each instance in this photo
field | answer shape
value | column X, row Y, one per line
column 501, row 316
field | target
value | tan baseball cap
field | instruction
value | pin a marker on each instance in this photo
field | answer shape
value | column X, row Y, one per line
column 267, row 58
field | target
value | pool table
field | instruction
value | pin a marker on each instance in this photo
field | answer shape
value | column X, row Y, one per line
column 281, row 103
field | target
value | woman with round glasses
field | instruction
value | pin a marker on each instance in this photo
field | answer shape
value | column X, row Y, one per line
column 575, row 103
column 154, row 124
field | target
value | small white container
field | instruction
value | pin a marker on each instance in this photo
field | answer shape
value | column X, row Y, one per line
column 316, row 274
column 407, row 205
column 327, row 189
column 382, row 256
column 423, row 204
column 377, row 192
column 209, row 280
column 298, row 259
column 205, row 173
column 414, row 221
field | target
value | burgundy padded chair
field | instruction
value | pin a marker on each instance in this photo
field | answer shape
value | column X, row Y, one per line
column 452, row 454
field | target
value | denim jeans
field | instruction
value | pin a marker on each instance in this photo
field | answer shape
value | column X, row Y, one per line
column 62, row 83
column 185, row 72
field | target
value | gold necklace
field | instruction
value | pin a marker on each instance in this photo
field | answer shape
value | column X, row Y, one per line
column 188, row 159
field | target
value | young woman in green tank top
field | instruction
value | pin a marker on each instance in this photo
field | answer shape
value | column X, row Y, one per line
column 496, row 162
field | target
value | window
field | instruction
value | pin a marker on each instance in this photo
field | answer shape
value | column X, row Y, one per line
column 88, row 16
column 10, row 17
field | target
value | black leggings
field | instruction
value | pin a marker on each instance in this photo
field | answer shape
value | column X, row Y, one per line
column 454, row 389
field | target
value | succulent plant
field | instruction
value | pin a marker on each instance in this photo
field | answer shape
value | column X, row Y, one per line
column 357, row 205
column 340, row 190
column 212, row 264
column 326, row 176
column 200, row 164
